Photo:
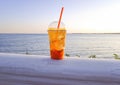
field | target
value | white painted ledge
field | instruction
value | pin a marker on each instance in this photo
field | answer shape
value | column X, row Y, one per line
column 18, row 69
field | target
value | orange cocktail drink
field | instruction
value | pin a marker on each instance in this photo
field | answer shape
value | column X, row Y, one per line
column 57, row 33
column 57, row 42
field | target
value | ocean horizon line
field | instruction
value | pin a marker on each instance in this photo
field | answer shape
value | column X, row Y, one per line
column 67, row 33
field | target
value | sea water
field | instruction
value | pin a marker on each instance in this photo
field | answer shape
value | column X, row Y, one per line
column 82, row 44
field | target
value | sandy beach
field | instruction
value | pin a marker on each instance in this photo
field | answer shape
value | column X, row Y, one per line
column 17, row 69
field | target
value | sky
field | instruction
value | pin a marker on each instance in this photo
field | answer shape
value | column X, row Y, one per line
column 79, row 16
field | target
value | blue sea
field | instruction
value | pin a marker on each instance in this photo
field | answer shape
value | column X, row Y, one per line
column 82, row 44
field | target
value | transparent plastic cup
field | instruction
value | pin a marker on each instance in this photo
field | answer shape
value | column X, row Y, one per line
column 57, row 40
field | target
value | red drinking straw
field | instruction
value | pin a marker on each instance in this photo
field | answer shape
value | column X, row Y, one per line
column 60, row 18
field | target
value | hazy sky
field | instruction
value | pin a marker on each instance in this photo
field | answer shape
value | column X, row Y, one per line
column 81, row 16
